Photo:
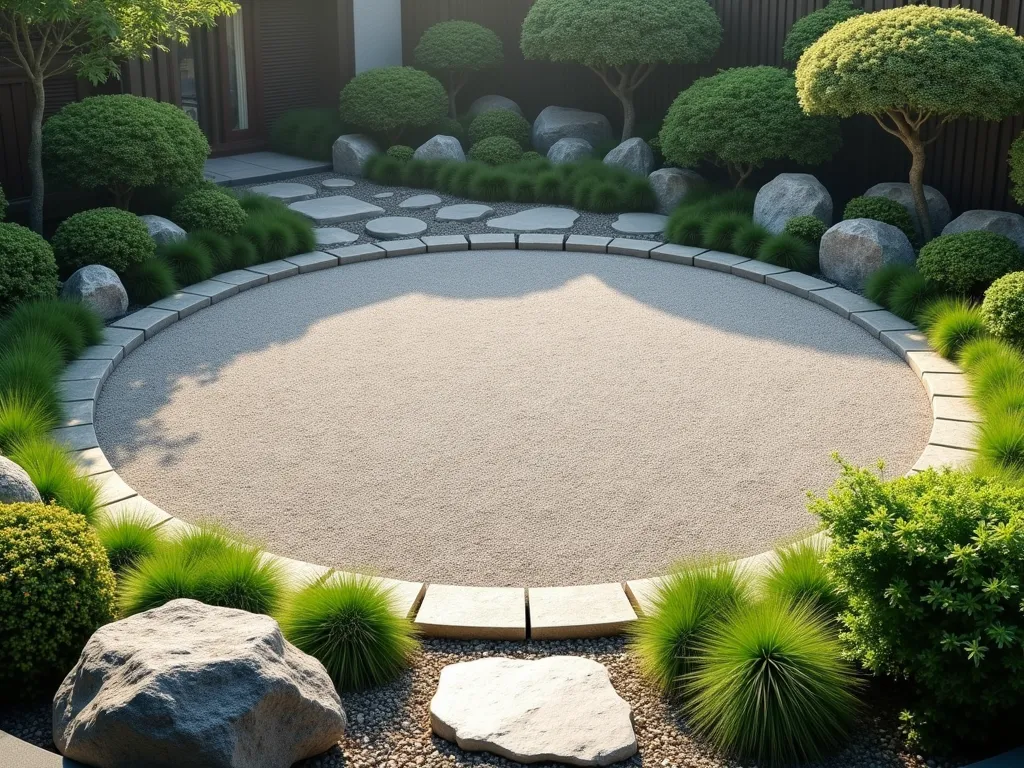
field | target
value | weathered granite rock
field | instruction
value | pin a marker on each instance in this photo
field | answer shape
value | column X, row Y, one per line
column 15, row 484
column 98, row 287
column 633, row 155
column 1003, row 223
column 789, row 195
column 163, row 230
column 672, row 185
column 569, row 151
column 441, row 148
column 556, row 123
column 191, row 684
column 351, row 153
column 562, row 708
column 854, row 249
column 492, row 103
column 939, row 211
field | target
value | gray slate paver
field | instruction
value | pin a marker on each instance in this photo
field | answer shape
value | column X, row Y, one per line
column 718, row 261
column 184, row 304
column 587, row 243
column 536, row 219
column 87, row 369
column 624, row 246
column 879, row 321
column 112, row 352
column 440, row 243
column 797, row 283
column 286, row 191
column 336, row 209
column 755, row 270
column 491, row 242
column 676, row 254
column 356, row 253
column 463, row 212
column 409, row 247
column 334, row 236
column 215, row 291
column 76, row 438
column 533, row 242
column 640, row 224
column 243, row 278
column 313, row 262
column 843, row 302
column 73, row 391
column 420, row 202
column 126, row 338
column 275, row 270
column 395, row 227
column 149, row 320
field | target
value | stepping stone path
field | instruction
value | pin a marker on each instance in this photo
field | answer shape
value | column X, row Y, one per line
column 419, row 202
column 640, row 223
column 562, row 708
column 464, row 212
column 395, row 227
column 338, row 183
column 286, row 191
column 334, row 236
column 336, row 209
column 384, row 195
column 536, row 219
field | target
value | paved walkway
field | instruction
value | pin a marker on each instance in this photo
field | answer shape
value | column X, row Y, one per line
column 256, row 167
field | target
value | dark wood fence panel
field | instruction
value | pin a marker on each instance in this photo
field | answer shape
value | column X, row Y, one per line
column 968, row 163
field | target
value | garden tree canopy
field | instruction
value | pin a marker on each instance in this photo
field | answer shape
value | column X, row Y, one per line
column 623, row 41
column 456, row 48
column 914, row 67
column 89, row 38
column 743, row 117
column 812, row 26
column 388, row 100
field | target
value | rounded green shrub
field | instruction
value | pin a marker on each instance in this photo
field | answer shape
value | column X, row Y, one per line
column 108, row 236
column 809, row 228
column 1017, row 169
column 500, row 123
column 807, row 30
column 951, row 323
column 454, row 49
column 789, row 251
column 797, row 574
column 910, row 295
column 128, row 537
column 209, row 208
column 56, row 589
column 721, row 229
column 496, row 150
column 122, row 143
column 308, row 132
column 28, row 269
column 1003, row 308
column 884, row 210
column 880, row 284
column 390, row 100
column 149, row 281
column 347, row 623
column 531, row 156
column 401, row 153
column 967, row 263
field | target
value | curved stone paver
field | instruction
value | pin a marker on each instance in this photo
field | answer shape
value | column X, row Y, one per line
column 482, row 612
column 640, row 223
column 337, row 183
column 536, row 219
column 394, row 227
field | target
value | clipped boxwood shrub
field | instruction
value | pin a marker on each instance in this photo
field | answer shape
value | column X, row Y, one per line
column 884, row 210
column 500, row 122
column 124, row 142
column 1003, row 308
column 967, row 263
column 497, row 150
column 807, row 30
column 56, row 589
column 931, row 564
column 109, row 236
column 390, row 100
column 401, row 153
column 28, row 269
column 307, row 132
column 808, row 228
column 207, row 207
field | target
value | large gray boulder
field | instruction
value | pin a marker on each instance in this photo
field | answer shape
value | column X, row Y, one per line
column 569, row 151
column 98, row 287
column 15, row 484
column 562, row 708
column 352, row 152
column 163, row 230
column 556, row 123
column 854, row 249
column 939, row 211
column 492, row 103
column 672, row 185
column 789, row 195
column 633, row 155
column 1003, row 223
column 441, row 148
column 190, row 684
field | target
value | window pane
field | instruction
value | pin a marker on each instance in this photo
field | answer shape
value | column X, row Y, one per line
column 237, row 91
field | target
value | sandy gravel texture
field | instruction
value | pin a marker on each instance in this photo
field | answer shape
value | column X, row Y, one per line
column 507, row 418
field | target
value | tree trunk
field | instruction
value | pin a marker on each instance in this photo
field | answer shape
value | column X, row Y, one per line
column 453, row 91
column 35, row 154
column 916, row 147
column 628, row 113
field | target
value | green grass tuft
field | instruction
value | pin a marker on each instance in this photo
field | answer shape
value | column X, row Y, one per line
column 29, row 370
column 992, row 368
column 880, row 284
column 255, row 231
column 685, row 228
column 789, row 251
column 491, row 186
column 190, row 261
column 547, row 187
column 254, row 203
column 521, row 190
column 909, row 295
column 128, row 538
column 149, row 281
column 280, row 239
column 605, row 198
column 721, row 229
column 239, row 577
column 748, row 240
column 1001, row 446
column 243, row 252
column 974, row 352
column 798, row 575
column 637, row 195
column 22, row 418
column 302, row 231
column 155, row 580
column 71, row 324
column 950, row 324
column 216, row 245
column 55, row 475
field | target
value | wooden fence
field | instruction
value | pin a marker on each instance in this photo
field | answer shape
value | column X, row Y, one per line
column 968, row 163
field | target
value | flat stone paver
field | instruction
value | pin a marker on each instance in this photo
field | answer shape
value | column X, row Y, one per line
column 420, row 202
column 128, row 339
column 541, row 242
column 755, row 270
column 336, row 209
column 797, row 283
column 535, row 219
column 356, row 253
column 334, row 236
column 150, row 321
column 954, row 434
column 473, row 613
column 243, row 278
column 313, row 262
column 214, row 290
column 395, row 227
column 676, row 254
column 902, row 342
column 73, row 391
column 87, row 369
column 587, row 244
column 440, row 243
column 956, row 409
column 410, row 247
column 91, row 461
column 643, row 593
column 937, row 456
column 383, row 195
column 880, row 320
column 275, row 270
column 112, row 352
column 463, row 212
column 640, row 223
column 337, row 183
column 184, row 304
column 931, row 362
column 286, row 191
column 112, row 488
column 843, row 302
column 624, row 246
column 78, row 413
column 596, row 610
column 136, row 507
column 491, row 242
column 946, row 385
column 77, row 438
column 717, row 260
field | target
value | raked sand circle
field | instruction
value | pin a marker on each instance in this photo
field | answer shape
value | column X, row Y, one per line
column 507, row 418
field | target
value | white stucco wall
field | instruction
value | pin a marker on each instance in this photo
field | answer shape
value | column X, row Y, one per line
column 378, row 33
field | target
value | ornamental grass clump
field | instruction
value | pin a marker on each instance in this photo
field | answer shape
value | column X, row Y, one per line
column 56, row 476
column 490, row 185
column 882, row 281
column 721, row 230
column 216, row 245
column 991, row 367
column 29, row 369
column 71, row 324
column 189, row 260
column 606, row 197
column 950, row 324
column 685, row 227
column 789, row 251
column 149, row 281
column 243, row 252
column 1001, row 447
column 22, row 418
column 911, row 294
column 798, row 575
column 347, row 622
column 547, row 187
column 128, row 538
column 748, row 240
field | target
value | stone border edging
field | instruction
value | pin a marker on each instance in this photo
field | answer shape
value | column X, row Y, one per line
column 508, row 613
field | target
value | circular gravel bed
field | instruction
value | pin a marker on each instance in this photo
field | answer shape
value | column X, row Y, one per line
column 507, row 418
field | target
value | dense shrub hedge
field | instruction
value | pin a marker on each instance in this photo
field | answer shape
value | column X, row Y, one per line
column 28, row 269
column 109, row 236
column 207, row 207
column 391, row 100
column 308, row 133
column 967, row 263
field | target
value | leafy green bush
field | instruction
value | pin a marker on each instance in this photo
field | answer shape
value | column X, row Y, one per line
column 881, row 283
column 128, row 538
column 769, row 685
column 56, row 589
column 742, row 118
column 951, row 323
column 390, row 100
column 124, row 142
column 454, row 49
column 789, row 251
column 401, row 153
column 109, row 236
column 1017, row 169
column 22, row 417
column 500, row 122
column 149, row 281
column 308, row 132
column 809, row 228
column 967, row 263
column 798, row 574
column 1003, row 308
column 188, row 260
column 496, row 150
column 884, row 210
column 807, row 30
column 347, row 622
column 28, row 269
column 209, row 208
column 56, row 476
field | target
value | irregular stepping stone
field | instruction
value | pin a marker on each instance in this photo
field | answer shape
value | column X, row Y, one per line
column 384, row 195
column 334, row 236
column 395, row 227
column 285, row 191
column 338, row 183
column 561, row 708
column 464, row 212
column 535, row 219
column 336, row 209
column 640, row 223
column 419, row 202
